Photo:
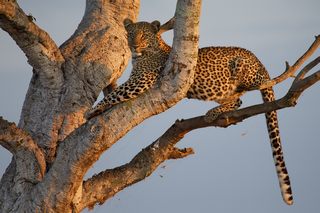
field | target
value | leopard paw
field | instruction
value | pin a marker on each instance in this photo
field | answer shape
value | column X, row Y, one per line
column 211, row 115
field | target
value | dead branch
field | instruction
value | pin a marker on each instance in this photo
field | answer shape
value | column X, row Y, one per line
column 290, row 70
column 307, row 68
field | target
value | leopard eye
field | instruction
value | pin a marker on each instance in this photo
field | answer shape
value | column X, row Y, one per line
column 141, row 37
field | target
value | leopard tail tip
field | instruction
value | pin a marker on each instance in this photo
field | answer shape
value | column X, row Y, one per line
column 288, row 200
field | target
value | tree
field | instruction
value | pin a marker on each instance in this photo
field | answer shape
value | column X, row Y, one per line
column 53, row 146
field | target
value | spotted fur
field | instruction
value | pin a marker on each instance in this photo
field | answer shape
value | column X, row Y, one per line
column 222, row 74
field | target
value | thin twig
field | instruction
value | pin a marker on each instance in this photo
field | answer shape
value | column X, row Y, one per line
column 307, row 68
column 290, row 70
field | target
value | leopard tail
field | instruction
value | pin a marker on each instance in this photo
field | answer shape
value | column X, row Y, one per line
column 274, row 135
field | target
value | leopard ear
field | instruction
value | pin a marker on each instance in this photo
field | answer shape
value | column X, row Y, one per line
column 127, row 22
column 156, row 24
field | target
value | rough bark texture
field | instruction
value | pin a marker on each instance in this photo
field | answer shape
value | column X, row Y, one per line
column 53, row 146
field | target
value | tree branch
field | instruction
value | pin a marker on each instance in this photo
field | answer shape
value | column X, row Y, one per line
column 106, row 184
column 40, row 49
column 11, row 136
column 290, row 70
column 307, row 68
column 30, row 160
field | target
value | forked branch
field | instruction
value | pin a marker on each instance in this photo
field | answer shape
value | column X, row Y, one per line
column 291, row 70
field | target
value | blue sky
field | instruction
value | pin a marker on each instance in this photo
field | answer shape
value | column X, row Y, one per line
column 232, row 169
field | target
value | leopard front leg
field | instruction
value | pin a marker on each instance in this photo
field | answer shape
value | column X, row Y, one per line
column 102, row 106
column 133, row 87
column 212, row 114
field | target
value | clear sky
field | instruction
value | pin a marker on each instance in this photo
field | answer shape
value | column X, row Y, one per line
column 232, row 170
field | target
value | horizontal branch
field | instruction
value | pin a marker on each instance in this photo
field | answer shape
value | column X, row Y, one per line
column 39, row 48
column 29, row 157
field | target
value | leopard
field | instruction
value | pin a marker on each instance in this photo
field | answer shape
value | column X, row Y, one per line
column 222, row 74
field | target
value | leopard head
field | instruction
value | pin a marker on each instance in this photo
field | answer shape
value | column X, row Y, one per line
column 143, row 37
